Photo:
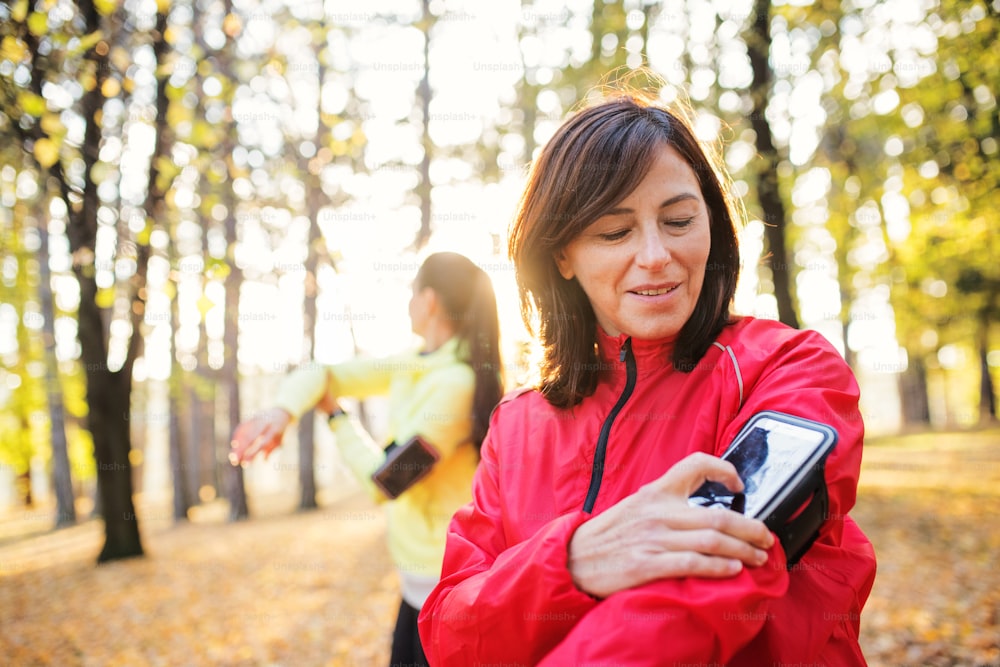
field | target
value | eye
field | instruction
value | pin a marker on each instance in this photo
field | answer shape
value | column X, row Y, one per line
column 679, row 223
column 613, row 236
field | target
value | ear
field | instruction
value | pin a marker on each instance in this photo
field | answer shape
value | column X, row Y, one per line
column 431, row 300
column 563, row 264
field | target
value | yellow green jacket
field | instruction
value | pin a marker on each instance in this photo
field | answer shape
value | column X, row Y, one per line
column 429, row 395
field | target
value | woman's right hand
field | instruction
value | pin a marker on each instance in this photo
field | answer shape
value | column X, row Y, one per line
column 654, row 534
column 260, row 433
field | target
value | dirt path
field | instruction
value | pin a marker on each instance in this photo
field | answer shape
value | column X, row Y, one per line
column 304, row 589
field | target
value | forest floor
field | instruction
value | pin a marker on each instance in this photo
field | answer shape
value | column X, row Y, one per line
column 317, row 588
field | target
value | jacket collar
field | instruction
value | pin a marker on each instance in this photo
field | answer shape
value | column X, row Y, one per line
column 446, row 354
column 649, row 355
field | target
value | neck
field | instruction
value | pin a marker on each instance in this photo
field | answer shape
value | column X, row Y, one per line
column 436, row 335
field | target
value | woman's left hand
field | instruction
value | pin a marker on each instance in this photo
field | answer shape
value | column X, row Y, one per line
column 655, row 534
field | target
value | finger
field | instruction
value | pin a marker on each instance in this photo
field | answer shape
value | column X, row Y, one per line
column 694, row 470
column 257, row 440
column 269, row 440
column 738, row 526
column 244, row 439
column 693, row 564
column 713, row 543
column 682, row 517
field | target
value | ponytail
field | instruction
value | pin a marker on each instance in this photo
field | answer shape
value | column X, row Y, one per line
column 467, row 295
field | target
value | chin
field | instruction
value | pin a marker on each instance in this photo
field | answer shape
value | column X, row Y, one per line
column 654, row 332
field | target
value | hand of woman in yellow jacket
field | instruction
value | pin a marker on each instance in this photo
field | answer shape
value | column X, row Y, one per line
column 260, row 433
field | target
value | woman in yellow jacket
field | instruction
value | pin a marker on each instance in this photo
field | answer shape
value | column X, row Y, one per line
column 444, row 393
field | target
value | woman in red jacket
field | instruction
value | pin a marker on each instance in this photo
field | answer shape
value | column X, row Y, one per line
column 580, row 547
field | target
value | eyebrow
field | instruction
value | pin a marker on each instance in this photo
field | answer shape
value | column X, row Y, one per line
column 684, row 196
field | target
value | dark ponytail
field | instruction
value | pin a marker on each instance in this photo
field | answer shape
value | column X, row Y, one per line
column 467, row 295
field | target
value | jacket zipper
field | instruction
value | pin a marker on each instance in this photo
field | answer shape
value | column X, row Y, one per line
column 597, row 473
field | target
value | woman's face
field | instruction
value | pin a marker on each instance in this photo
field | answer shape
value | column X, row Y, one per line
column 642, row 263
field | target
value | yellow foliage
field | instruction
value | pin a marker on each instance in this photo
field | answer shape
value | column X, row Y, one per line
column 111, row 87
column 105, row 297
column 46, row 151
column 19, row 11
column 232, row 25
column 204, row 305
column 142, row 238
column 38, row 24
column 52, row 125
column 31, row 104
column 106, row 7
column 135, row 457
column 120, row 58
column 86, row 43
column 13, row 49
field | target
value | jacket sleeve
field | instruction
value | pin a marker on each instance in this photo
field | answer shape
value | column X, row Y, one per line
column 500, row 603
column 805, row 376
column 303, row 388
column 360, row 453
column 675, row 621
column 361, row 378
column 441, row 415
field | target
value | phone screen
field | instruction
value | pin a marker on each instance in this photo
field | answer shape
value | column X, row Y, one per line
column 767, row 456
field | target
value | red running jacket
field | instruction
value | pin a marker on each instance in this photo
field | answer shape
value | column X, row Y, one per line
column 506, row 596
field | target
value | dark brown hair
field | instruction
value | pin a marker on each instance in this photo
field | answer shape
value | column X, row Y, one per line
column 467, row 295
column 592, row 162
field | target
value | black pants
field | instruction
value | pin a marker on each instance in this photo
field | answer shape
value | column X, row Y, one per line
column 406, row 648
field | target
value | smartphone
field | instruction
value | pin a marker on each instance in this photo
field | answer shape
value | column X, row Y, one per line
column 781, row 460
column 404, row 466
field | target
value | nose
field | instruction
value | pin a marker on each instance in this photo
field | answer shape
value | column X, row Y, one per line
column 652, row 253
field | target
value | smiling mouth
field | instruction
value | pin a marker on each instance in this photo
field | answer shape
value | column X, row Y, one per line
column 654, row 292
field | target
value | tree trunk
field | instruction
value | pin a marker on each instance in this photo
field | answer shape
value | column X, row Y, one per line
column 61, row 474
column 62, row 479
column 208, row 443
column 315, row 198
column 768, row 194
column 423, row 188
column 196, row 431
column 232, row 476
column 307, row 461
column 23, row 487
column 913, row 393
column 987, row 395
column 845, row 323
column 114, row 470
column 182, row 493
column 307, row 425
column 108, row 392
